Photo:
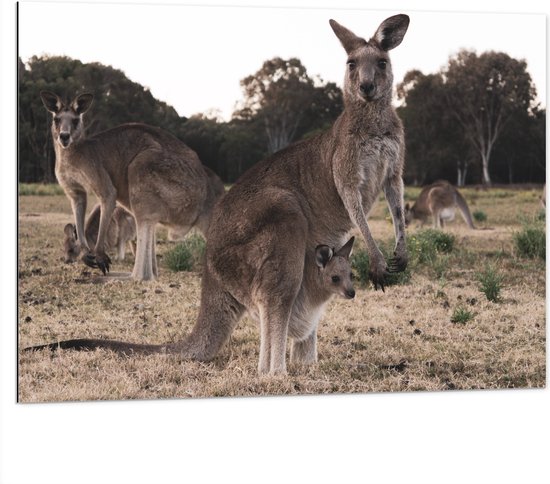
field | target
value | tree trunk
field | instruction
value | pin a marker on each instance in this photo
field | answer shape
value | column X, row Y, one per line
column 486, row 178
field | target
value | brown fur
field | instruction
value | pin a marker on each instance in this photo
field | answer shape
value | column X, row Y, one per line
column 439, row 201
column 148, row 171
column 121, row 231
column 263, row 235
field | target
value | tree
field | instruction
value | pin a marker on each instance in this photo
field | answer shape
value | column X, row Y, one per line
column 482, row 93
column 287, row 101
column 435, row 149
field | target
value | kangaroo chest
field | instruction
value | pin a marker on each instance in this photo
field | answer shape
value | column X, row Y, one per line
column 70, row 177
column 377, row 157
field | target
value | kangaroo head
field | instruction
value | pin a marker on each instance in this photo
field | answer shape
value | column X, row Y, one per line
column 335, row 269
column 67, row 124
column 369, row 75
column 71, row 246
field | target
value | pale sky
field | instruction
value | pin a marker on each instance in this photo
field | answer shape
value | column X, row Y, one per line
column 194, row 57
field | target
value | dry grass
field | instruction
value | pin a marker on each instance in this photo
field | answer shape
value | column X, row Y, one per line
column 402, row 340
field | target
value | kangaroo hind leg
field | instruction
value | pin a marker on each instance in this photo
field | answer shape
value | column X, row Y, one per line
column 304, row 352
column 143, row 266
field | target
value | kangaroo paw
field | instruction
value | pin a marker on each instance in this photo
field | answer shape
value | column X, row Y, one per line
column 398, row 263
column 89, row 260
column 103, row 262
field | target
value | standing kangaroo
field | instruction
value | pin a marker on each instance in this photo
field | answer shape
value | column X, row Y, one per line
column 438, row 200
column 262, row 240
column 148, row 171
column 121, row 230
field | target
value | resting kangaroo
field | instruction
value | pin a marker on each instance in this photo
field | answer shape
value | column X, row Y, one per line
column 263, row 235
column 148, row 171
column 438, row 200
column 332, row 275
column 121, row 230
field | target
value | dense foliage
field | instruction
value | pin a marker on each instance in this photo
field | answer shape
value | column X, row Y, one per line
column 474, row 121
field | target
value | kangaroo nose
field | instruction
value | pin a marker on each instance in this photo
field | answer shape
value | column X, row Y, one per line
column 350, row 293
column 64, row 137
column 367, row 88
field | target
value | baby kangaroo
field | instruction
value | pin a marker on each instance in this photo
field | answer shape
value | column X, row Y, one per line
column 121, row 231
column 332, row 276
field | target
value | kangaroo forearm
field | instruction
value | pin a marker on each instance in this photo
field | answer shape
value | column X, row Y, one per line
column 393, row 191
column 78, row 204
column 354, row 207
column 107, row 208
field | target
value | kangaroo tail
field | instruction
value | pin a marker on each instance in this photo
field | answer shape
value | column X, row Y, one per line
column 464, row 210
column 92, row 344
column 218, row 316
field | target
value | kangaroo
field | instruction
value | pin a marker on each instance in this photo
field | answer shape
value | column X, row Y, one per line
column 439, row 201
column 333, row 276
column 151, row 173
column 263, row 234
column 121, row 231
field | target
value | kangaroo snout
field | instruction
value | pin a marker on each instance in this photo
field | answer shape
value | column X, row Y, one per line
column 368, row 89
column 65, row 139
column 350, row 293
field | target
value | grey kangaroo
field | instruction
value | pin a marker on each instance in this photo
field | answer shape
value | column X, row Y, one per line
column 438, row 200
column 333, row 276
column 148, row 171
column 263, row 235
column 121, row 231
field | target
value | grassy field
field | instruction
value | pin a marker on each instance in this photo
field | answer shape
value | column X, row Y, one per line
column 435, row 331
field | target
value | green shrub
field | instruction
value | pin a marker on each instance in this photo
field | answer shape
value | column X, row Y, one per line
column 480, row 216
column 461, row 315
column 187, row 255
column 490, row 283
column 425, row 245
column 360, row 265
column 531, row 241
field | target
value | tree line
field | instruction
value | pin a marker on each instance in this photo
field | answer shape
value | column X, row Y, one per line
column 474, row 121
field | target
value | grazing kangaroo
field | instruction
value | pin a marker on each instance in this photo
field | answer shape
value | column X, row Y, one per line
column 439, row 201
column 332, row 276
column 261, row 250
column 148, row 171
column 121, row 231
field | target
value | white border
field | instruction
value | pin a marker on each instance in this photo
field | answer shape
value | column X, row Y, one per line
column 453, row 437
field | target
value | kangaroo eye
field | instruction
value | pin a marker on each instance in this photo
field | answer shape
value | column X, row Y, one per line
column 351, row 276
column 56, row 120
column 351, row 65
column 382, row 63
column 75, row 123
column 335, row 279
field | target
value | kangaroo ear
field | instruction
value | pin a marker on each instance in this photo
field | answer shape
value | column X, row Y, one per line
column 345, row 251
column 391, row 31
column 82, row 103
column 52, row 102
column 70, row 230
column 323, row 253
column 407, row 206
column 349, row 40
